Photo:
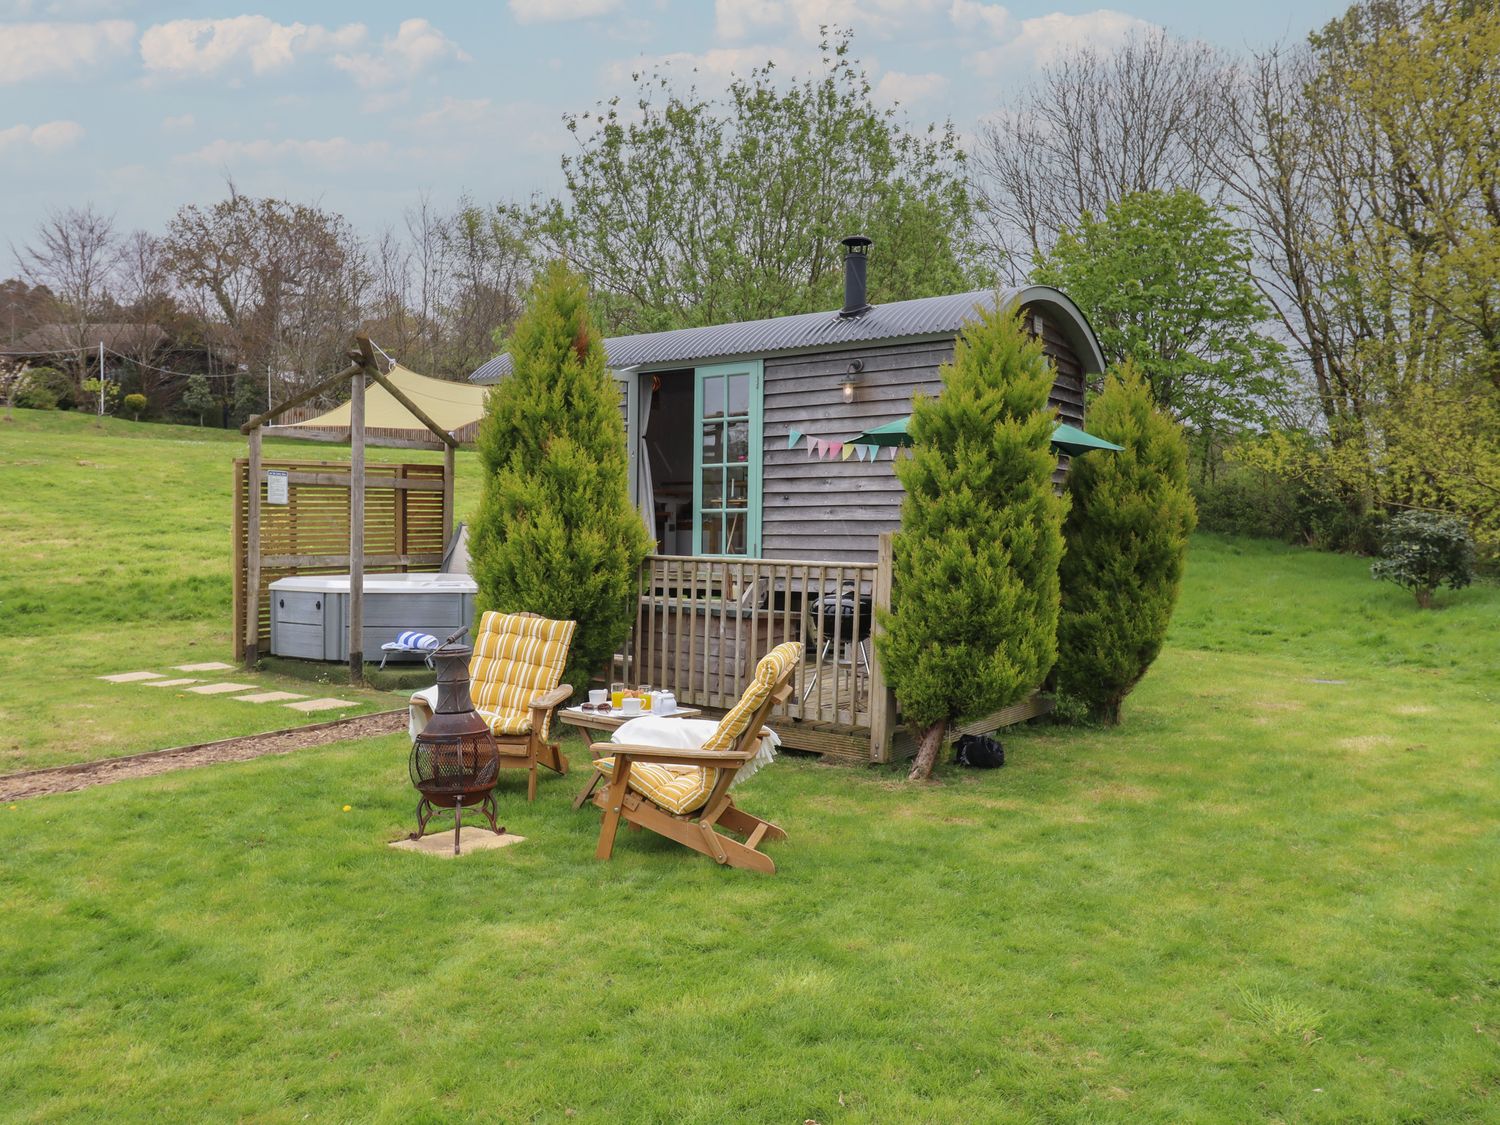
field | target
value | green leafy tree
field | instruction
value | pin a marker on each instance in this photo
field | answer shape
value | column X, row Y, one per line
column 198, row 398
column 686, row 210
column 973, row 620
column 135, row 404
column 1425, row 550
column 1166, row 283
column 1127, row 532
column 556, row 532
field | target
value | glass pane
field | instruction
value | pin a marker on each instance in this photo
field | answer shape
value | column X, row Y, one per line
column 713, row 396
column 739, row 394
column 713, row 488
column 739, row 487
column 734, row 534
column 739, row 442
column 713, row 524
column 713, row 444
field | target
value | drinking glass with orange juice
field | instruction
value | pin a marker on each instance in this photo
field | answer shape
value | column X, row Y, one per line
column 617, row 695
column 644, row 691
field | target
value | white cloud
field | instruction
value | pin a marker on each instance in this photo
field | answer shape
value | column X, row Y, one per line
column 415, row 47
column 1042, row 40
column 50, row 50
column 332, row 153
column 198, row 48
column 48, row 137
column 908, row 89
column 180, row 121
column 556, row 11
column 735, row 19
column 452, row 112
column 972, row 16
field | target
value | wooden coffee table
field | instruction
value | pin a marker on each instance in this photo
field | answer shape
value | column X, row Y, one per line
column 604, row 722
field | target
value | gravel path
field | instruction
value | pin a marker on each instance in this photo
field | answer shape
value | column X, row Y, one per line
column 66, row 779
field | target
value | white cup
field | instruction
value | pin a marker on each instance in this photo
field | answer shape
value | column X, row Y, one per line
column 597, row 696
column 631, row 705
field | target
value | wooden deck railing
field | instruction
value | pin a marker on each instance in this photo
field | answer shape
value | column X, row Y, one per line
column 703, row 624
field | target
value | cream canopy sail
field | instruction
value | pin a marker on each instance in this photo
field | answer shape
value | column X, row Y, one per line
column 457, row 407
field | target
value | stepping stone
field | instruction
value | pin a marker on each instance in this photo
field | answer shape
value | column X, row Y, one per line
column 131, row 677
column 220, row 689
column 173, row 683
column 472, row 839
column 211, row 666
column 269, row 697
column 322, row 704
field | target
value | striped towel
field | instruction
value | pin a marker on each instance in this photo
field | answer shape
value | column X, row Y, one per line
column 412, row 641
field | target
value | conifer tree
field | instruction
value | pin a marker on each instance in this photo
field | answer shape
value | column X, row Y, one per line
column 1127, row 534
column 556, row 532
column 973, row 620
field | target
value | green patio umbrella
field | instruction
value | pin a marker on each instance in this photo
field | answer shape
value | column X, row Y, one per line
column 1065, row 439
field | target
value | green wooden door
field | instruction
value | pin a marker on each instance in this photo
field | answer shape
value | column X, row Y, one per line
column 727, row 459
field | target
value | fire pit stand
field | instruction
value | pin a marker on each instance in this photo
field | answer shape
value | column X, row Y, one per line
column 454, row 761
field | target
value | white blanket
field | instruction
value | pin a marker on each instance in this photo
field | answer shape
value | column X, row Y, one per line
column 419, row 710
column 691, row 734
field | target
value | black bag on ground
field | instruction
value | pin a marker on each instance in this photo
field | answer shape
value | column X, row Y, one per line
column 979, row 751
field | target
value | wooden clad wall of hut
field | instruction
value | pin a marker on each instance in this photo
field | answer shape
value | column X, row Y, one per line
column 836, row 510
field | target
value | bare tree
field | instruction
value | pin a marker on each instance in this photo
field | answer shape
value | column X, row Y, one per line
column 74, row 252
column 1095, row 127
column 486, row 268
column 1270, row 166
column 285, row 281
column 151, row 316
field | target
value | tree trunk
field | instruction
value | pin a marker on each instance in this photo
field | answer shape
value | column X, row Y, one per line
column 1109, row 713
column 1424, row 597
column 929, row 742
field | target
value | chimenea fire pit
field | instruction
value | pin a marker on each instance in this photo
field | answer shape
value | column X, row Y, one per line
column 454, row 761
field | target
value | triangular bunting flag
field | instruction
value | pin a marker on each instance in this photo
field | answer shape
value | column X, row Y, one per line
column 835, row 448
column 870, row 451
column 812, row 447
column 792, row 438
column 848, row 449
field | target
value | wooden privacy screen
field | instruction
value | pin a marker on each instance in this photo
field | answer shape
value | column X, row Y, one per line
column 408, row 521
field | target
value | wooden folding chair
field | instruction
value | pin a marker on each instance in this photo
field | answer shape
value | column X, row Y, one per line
column 513, row 679
column 684, row 794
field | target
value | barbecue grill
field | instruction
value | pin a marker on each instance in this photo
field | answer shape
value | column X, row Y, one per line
column 454, row 760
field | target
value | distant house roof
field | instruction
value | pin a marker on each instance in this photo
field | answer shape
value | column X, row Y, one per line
column 923, row 317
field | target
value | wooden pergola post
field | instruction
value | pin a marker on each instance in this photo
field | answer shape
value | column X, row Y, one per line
column 362, row 367
column 251, row 624
column 357, row 526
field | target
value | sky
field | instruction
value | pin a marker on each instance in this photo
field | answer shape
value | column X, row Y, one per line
column 138, row 108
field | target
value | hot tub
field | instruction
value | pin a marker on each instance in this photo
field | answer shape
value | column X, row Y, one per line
column 310, row 613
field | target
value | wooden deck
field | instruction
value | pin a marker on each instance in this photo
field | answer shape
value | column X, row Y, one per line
column 703, row 624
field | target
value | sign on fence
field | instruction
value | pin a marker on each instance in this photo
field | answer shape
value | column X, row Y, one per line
column 276, row 486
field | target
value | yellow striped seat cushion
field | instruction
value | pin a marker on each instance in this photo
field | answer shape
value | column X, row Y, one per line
column 516, row 658
column 678, row 789
column 774, row 667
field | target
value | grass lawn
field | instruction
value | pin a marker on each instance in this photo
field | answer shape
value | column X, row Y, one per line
column 115, row 544
column 1263, row 897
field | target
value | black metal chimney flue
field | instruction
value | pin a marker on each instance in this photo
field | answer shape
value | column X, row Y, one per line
column 856, row 259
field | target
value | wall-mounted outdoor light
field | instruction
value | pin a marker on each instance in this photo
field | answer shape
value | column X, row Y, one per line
column 851, row 379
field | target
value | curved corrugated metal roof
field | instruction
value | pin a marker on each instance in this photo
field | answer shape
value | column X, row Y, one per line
column 924, row 316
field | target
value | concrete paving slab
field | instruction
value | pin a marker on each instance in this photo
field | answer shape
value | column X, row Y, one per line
column 470, row 840
column 220, row 689
column 269, row 697
column 172, row 683
column 211, row 666
column 132, row 677
column 322, row 704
